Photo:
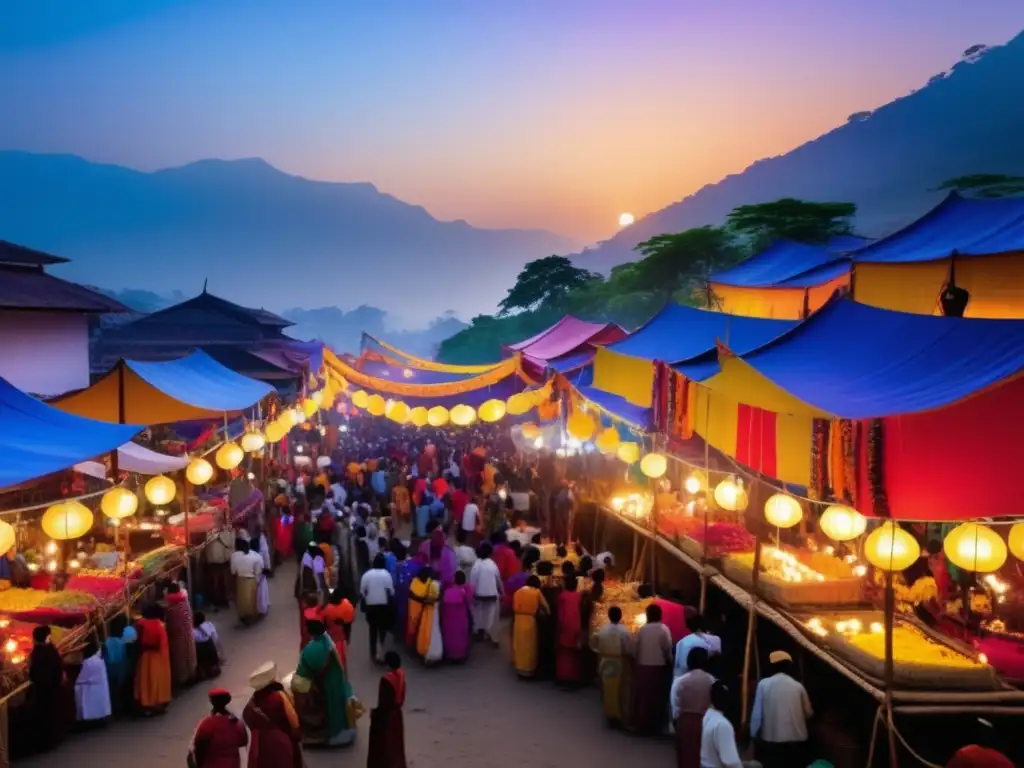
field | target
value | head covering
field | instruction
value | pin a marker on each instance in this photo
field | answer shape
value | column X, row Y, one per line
column 436, row 543
column 215, row 693
column 776, row 657
column 264, row 675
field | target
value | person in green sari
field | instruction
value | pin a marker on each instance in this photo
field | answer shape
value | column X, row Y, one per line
column 323, row 696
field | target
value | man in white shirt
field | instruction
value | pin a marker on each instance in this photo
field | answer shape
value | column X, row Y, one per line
column 485, row 579
column 377, row 590
column 697, row 638
column 465, row 555
column 779, row 719
column 470, row 520
column 718, row 737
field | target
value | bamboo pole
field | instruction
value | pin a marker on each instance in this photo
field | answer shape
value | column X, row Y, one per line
column 890, row 610
column 751, row 628
column 186, row 504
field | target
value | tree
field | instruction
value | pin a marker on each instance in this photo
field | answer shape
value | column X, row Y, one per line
column 806, row 222
column 986, row 184
column 545, row 282
column 679, row 261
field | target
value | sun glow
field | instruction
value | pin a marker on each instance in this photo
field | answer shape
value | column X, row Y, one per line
column 625, row 219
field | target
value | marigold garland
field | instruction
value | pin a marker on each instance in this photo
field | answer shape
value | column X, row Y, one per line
column 876, row 474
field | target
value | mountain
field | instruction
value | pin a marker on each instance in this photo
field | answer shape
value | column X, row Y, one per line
column 888, row 161
column 261, row 236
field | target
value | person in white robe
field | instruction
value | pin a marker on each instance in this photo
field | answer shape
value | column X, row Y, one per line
column 485, row 578
column 92, row 692
column 262, row 587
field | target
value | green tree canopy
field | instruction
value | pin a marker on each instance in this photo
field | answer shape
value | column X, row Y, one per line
column 986, row 184
column 545, row 282
column 800, row 220
column 674, row 262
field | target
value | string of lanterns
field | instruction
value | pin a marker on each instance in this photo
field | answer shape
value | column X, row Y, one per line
column 460, row 415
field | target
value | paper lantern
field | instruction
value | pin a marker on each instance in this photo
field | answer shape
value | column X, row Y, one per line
column 842, row 523
column 492, row 410
column 323, row 462
column 67, row 520
column 520, row 403
column 1017, row 540
column 463, row 415
column 7, row 537
column 607, row 441
column 418, row 416
column 199, row 471
column 293, row 417
column 160, row 490
column 581, row 426
column 654, row 465
column 628, row 452
column 376, row 405
column 397, row 411
column 328, row 397
column 309, row 407
column 730, row 495
column 318, row 397
column 253, row 441
column 437, row 416
column 783, row 511
column 531, row 431
column 229, row 456
column 118, row 503
column 891, row 548
column 276, row 430
column 696, row 482
column 975, row 547
column 360, row 399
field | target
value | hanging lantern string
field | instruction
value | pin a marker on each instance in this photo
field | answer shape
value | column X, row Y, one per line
column 44, row 505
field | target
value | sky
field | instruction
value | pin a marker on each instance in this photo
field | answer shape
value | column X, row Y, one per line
column 555, row 114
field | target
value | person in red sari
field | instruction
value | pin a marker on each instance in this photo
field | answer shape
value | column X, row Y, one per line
column 338, row 616
column 153, row 670
column 219, row 736
column 276, row 739
column 387, row 724
column 570, row 636
column 180, row 639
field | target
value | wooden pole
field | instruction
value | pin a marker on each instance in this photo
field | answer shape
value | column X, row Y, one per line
column 636, row 545
column 890, row 611
column 185, row 505
column 751, row 628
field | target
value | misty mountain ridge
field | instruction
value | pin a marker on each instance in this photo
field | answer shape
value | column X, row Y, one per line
column 888, row 161
column 261, row 236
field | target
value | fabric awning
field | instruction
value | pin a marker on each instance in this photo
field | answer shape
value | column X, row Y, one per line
column 567, row 336
column 785, row 260
column 132, row 457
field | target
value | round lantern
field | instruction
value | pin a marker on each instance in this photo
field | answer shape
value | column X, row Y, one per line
column 323, row 462
column 309, row 407
column 492, row 410
column 654, row 465
column 437, row 416
column 463, row 415
column 160, row 490
column 607, row 441
column 531, row 431
column 975, row 547
column 842, row 523
column 783, row 511
column 730, row 495
column 581, row 426
column 7, row 537
column 360, row 399
column 199, row 471
column 317, row 397
column 118, row 503
column 519, row 404
column 328, row 396
column 696, row 482
column 293, row 417
column 253, row 441
column 229, row 456
column 418, row 416
column 67, row 520
column 891, row 548
column 397, row 411
column 1017, row 540
column 376, row 405
column 628, row 452
column 275, row 432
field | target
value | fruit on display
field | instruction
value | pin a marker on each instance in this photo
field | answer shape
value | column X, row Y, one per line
column 19, row 600
column 910, row 646
column 70, row 601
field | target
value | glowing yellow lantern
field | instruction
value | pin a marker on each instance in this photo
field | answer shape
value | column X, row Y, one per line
column 520, row 403
column 295, row 416
column 253, row 441
column 654, row 465
column 397, row 411
column 275, row 432
column 492, row 410
column 842, row 523
column 581, row 426
column 318, row 397
column 418, row 416
column 607, row 441
column 309, row 407
column 376, row 405
column 67, row 520
column 199, row 470
column 463, row 415
column 1017, row 540
column 628, row 452
column 229, row 456
column 7, row 537
column 160, row 490
column 891, row 548
column 975, row 547
column 730, row 495
column 329, row 395
column 531, row 431
column 360, row 399
column 783, row 511
column 696, row 482
column 437, row 416
column 118, row 503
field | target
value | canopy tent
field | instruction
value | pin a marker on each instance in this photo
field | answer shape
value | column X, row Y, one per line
column 784, row 260
column 371, row 344
column 568, row 336
column 37, row 439
column 132, row 457
column 190, row 388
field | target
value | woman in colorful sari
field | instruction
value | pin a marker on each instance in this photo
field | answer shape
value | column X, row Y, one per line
column 569, row 654
column 273, row 723
column 338, row 616
column 153, row 673
column 387, row 724
column 310, row 585
column 612, row 644
column 219, row 737
column 527, row 602
column 119, row 653
column 408, row 571
column 424, row 618
column 322, row 692
column 457, row 619
column 547, row 624
column 179, row 636
column 441, row 557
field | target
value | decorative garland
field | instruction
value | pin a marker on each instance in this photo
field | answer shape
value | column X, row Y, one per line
column 876, row 474
column 819, row 459
column 851, row 432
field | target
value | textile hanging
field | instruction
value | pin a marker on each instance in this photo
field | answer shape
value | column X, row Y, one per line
column 629, row 377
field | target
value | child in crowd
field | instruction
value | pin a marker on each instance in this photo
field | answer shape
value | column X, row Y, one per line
column 209, row 651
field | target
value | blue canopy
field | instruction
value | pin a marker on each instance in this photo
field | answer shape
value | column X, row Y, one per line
column 857, row 361
column 200, row 381
column 573, row 362
column 817, row 276
column 969, row 226
column 37, row 439
column 680, row 333
column 618, row 407
column 786, row 259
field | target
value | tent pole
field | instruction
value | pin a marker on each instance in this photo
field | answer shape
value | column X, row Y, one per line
column 751, row 628
column 186, row 503
column 890, row 610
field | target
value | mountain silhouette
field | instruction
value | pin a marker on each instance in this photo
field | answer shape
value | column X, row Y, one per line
column 888, row 161
column 260, row 236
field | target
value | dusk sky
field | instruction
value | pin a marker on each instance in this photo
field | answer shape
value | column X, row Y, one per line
column 558, row 114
